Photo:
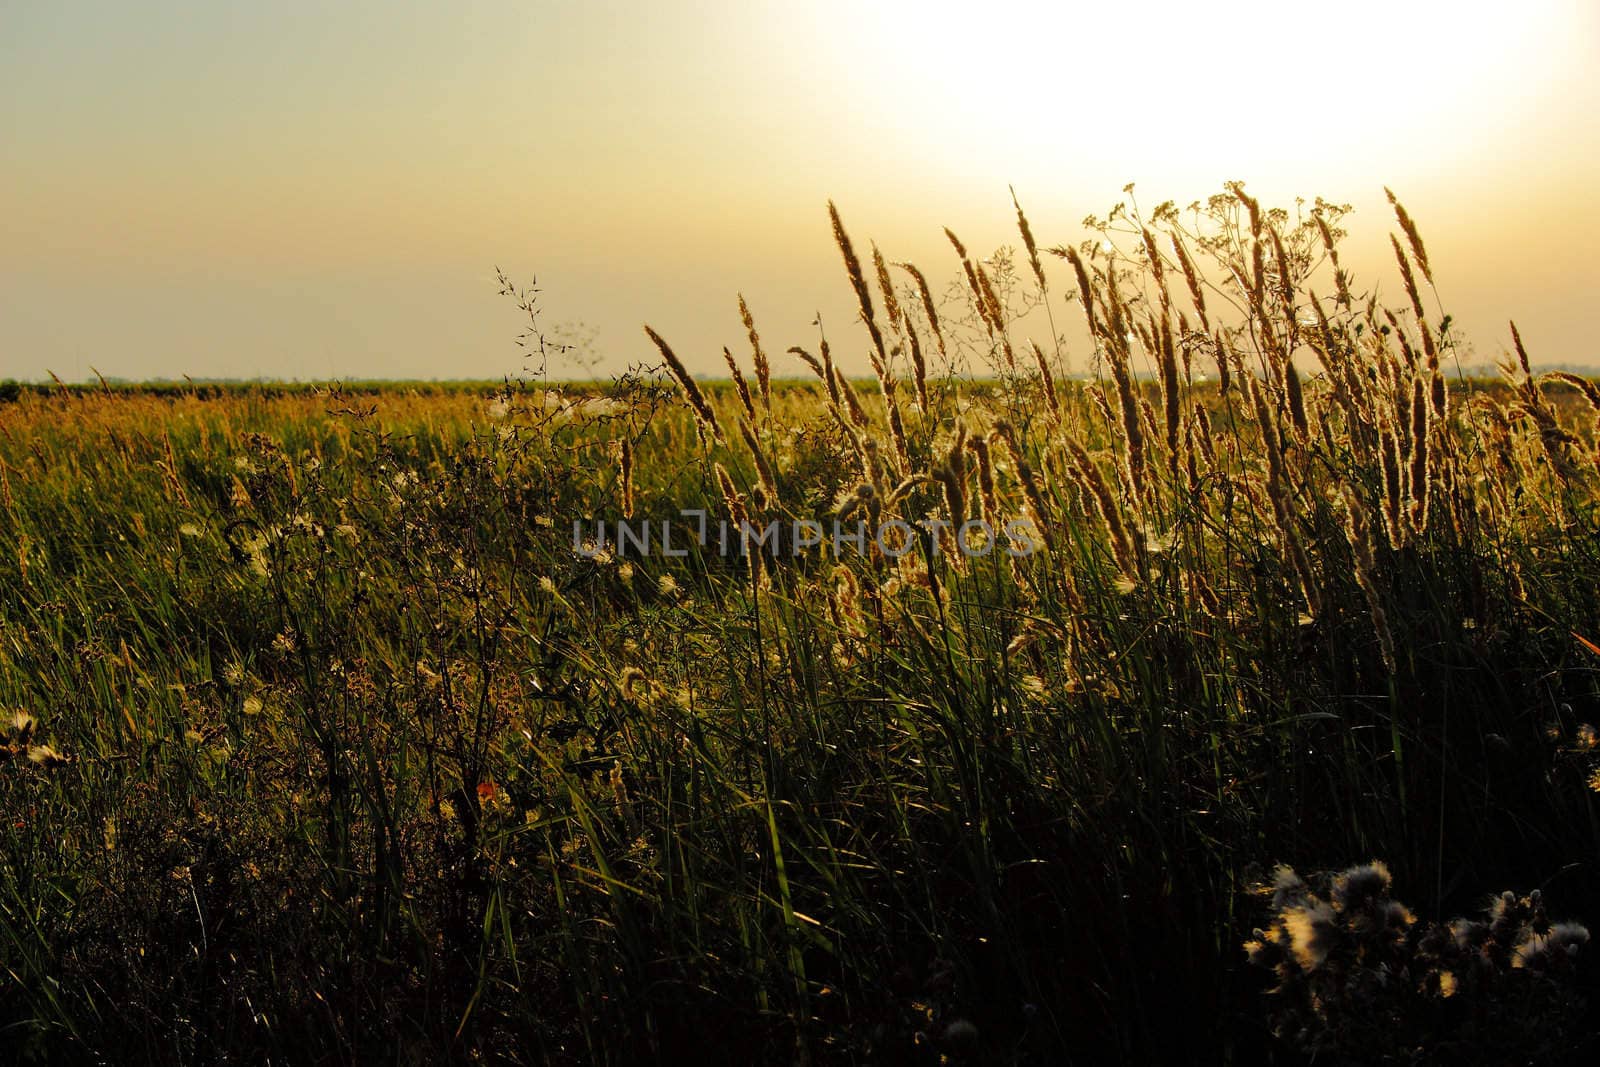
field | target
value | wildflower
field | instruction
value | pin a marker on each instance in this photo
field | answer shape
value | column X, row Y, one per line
column 189, row 529
column 668, row 585
column 1552, row 951
column 492, row 798
column 1359, row 886
column 1312, row 932
column 47, row 756
column 1287, row 887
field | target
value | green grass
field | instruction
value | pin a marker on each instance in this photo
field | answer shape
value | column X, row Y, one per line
column 364, row 763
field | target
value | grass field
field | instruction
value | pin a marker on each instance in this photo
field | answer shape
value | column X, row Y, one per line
column 327, row 743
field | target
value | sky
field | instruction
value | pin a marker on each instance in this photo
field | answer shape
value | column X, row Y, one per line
column 312, row 190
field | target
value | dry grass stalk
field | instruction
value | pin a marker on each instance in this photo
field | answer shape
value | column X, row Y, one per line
column 1277, row 490
column 852, row 403
column 1093, row 484
column 1393, row 487
column 1157, row 268
column 704, row 416
column 739, row 385
column 1522, row 353
column 972, row 279
column 1297, row 401
column 1028, row 243
column 1412, row 236
column 891, row 303
column 919, row 367
column 1032, row 495
column 1286, row 290
column 996, row 315
column 1420, row 434
column 169, row 473
column 1410, row 280
column 858, row 282
column 988, row 504
column 809, row 360
column 625, row 475
column 927, row 303
column 769, row 481
column 1171, row 400
column 1047, row 380
column 1085, row 289
column 738, row 515
column 1358, row 532
column 1191, row 278
column 897, row 428
column 757, row 354
column 1224, row 358
column 1133, row 436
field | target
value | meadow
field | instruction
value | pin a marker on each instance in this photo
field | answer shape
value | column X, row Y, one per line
column 326, row 743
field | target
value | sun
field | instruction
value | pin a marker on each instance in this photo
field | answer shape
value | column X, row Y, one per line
column 1190, row 94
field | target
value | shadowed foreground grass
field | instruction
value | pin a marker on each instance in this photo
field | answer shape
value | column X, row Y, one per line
column 329, row 747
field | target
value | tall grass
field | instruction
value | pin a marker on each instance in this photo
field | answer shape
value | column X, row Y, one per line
column 357, row 758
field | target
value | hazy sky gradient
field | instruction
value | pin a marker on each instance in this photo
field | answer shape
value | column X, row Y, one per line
column 313, row 190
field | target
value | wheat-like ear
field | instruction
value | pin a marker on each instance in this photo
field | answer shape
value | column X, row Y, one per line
column 891, row 303
column 763, row 369
column 1171, row 404
column 1358, row 532
column 704, row 415
column 1412, row 236
column 1032, row 495
column 1522, row 353
column 987, row 501
column 769, row 481
column 1191, row 278
column 625, row 475
column 1047, row 380
column 1419, row 472
column 858, row 282
column 1590, row 391
column 919, row 366
column 1028, row 243
column 852, row 403
column 1093, row 484
column 996, row 317
column 739, row 385
column 809, row 360
column 972, row 280
column 1085, row 290
column 1410, row 280
column 927, row 302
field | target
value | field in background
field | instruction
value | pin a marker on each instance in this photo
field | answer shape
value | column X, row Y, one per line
column 326, row 745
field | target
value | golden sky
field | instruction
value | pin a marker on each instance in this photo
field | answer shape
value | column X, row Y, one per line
column 309, row 190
